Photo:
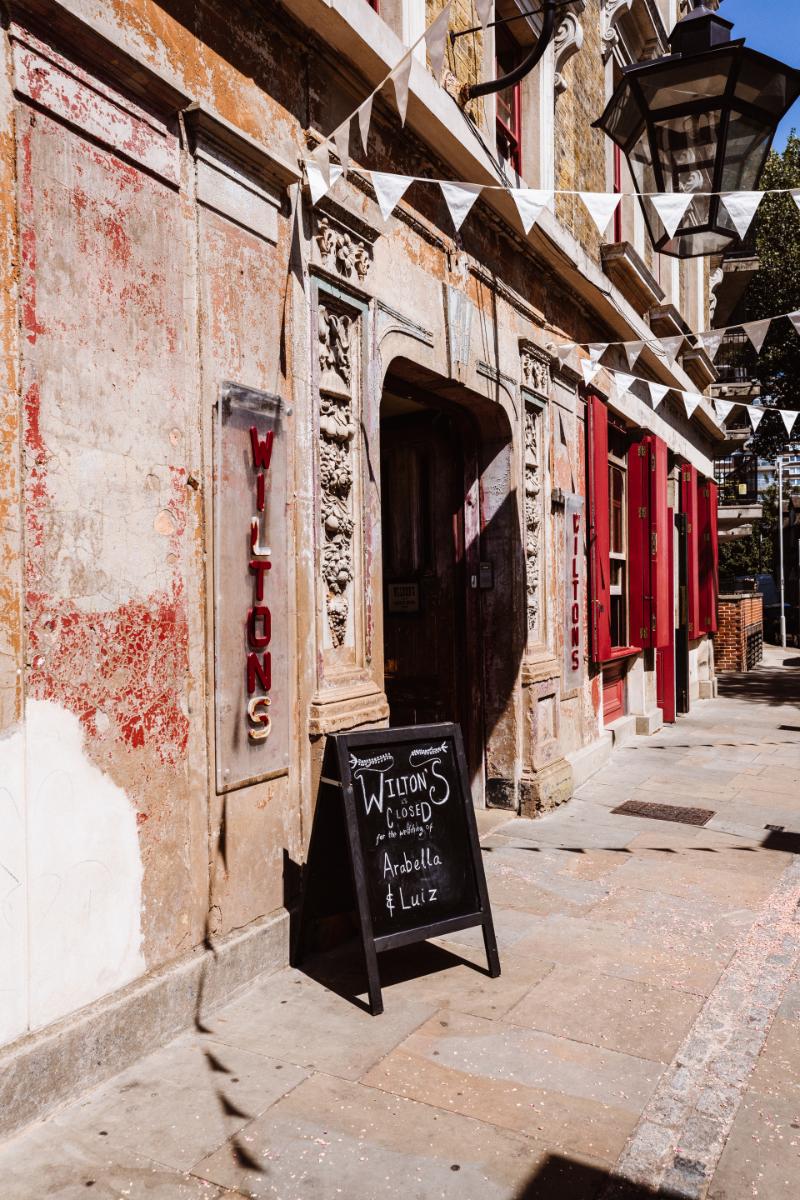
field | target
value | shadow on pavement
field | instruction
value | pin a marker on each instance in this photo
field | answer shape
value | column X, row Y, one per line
column 342, row 971
column 764, row 685
column 559, row 1178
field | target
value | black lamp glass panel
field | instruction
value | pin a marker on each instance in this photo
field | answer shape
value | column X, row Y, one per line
column 758, row 84
column 624, row 118
column 687, row 151
column 746, row 148
column 686, row 83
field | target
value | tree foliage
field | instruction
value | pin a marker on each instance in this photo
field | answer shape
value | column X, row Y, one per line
column 776, row 289
column 754, row 554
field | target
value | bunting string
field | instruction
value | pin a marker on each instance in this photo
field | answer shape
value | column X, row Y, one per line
column 672, row 208
column 623, row 383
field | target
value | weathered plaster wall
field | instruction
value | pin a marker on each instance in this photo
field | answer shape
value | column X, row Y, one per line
column 110, row 437
column 137, row 298
column 73, row 925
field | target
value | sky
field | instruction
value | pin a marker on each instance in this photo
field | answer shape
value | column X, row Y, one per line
column 773, row 27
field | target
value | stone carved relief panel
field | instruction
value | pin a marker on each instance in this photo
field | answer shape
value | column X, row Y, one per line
column 535, row 370
column 533, row 516
column 536, row 380
column 337, row 428
column 341, row 251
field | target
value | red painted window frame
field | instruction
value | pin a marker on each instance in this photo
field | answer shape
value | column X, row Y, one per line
column 708, row 553
column 649, row 599
column 689, row 508
column 512, row 137
column 599, row 532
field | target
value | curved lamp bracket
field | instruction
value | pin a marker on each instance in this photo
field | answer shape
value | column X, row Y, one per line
column 490, row 86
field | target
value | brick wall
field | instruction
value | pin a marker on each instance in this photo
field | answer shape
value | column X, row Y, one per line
column 464, row 57
column 738, row 640
column 580, row 151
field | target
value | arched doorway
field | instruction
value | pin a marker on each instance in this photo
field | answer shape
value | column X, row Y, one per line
column 452, row 569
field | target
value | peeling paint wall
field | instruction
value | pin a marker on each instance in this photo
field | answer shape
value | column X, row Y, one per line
column 147, row 254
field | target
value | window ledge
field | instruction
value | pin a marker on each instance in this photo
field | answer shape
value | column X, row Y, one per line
column 621, row 652
column 627, row 270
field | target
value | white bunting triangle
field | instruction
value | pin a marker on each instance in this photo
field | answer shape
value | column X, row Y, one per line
column 400, row 77
column 723, row 407
column 596, row 350
column 601, row 207
column 789, row 418
column 389, row 189
column 564, row 350
column 589, row 369
column 755, row 415
column 460, row 198
column 657, row 392
column 364, row 118
column 795, row 319
column 341, row 140
column 711, row 341
column 321, row 172
column 671, row 208
column 742, row 207
column 757, row 331
column 671, row 345
column 690, row 402
column 796, row 196
column 632, row 352
column 435, row 38
column 484, row 10
column 623, row 382
column 530, row 203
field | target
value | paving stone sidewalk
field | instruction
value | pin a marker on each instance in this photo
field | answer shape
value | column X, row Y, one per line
column 641, row 1042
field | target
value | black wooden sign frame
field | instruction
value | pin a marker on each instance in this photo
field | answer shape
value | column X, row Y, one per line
column 339, row 793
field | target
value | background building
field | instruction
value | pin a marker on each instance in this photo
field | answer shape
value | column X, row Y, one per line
column 289, row 469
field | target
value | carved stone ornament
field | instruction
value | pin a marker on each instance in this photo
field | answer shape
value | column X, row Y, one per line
column 334, row 349
column 714, row 281
column 336, row 432
column 612, row 12
column 341, row 252
column 567, row 42
column 533, row 515
column 535, row 369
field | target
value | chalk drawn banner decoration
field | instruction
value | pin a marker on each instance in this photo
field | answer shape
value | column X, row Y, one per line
column 404, row 800
column 251, row 677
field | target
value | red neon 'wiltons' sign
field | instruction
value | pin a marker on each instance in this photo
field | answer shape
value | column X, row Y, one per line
column 259, row 617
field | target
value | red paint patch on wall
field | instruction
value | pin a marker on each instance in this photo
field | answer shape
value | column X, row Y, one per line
column 131, row 665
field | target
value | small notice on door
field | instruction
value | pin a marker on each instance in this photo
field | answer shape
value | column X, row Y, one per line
column 403, row 597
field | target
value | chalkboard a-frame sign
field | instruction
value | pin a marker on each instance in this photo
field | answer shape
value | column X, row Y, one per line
column 395, row 833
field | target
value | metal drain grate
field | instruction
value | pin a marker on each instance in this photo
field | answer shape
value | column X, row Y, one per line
column 665, row 812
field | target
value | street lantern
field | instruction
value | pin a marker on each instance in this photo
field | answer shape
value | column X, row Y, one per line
column 702, row 120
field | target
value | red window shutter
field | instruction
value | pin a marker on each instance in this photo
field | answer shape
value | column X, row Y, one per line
column 708, row 554
column 689, row 507
column 639, row 589
column 599, row 536
column 649, row 596
column 661, row 618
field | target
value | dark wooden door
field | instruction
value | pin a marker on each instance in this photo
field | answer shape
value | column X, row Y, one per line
column 665, row 655
column 682, row 617
column 422, row 476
